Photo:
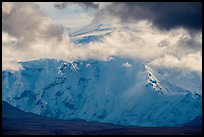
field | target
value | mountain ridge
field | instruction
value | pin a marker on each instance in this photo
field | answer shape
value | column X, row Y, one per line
column 37, row 125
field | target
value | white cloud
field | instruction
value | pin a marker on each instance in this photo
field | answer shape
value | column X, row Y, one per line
column 6, row 37
column 191, row 62
column 141, row 40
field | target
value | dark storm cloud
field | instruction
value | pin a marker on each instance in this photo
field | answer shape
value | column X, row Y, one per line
column 86, row 5
column 166, row 15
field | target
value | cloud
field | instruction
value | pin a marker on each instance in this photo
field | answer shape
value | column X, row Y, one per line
column 10, row 59
column 164, row 15
column 29, row 35
column 6, row 38
column 85, row 5
column 26, row 22
column 192, row 61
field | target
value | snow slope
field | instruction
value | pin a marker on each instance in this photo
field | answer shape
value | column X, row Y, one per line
column 91, row 33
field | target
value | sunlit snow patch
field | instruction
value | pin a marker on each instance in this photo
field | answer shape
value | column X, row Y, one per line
column 126, row 65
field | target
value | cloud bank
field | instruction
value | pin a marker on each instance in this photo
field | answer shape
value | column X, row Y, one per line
column 164, row 15
column 192, row 61
column 27, row 34
column 27, row 23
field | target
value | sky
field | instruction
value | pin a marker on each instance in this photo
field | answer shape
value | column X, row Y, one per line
column 73, row 18
column 164, row 34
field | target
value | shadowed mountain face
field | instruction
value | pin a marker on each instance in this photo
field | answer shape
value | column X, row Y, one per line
column 15, row 121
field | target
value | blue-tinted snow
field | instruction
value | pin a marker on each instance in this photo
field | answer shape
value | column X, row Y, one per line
column 105, row 91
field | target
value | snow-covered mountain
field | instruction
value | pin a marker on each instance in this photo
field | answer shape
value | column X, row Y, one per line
column 91, row 33
column 120, row 91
